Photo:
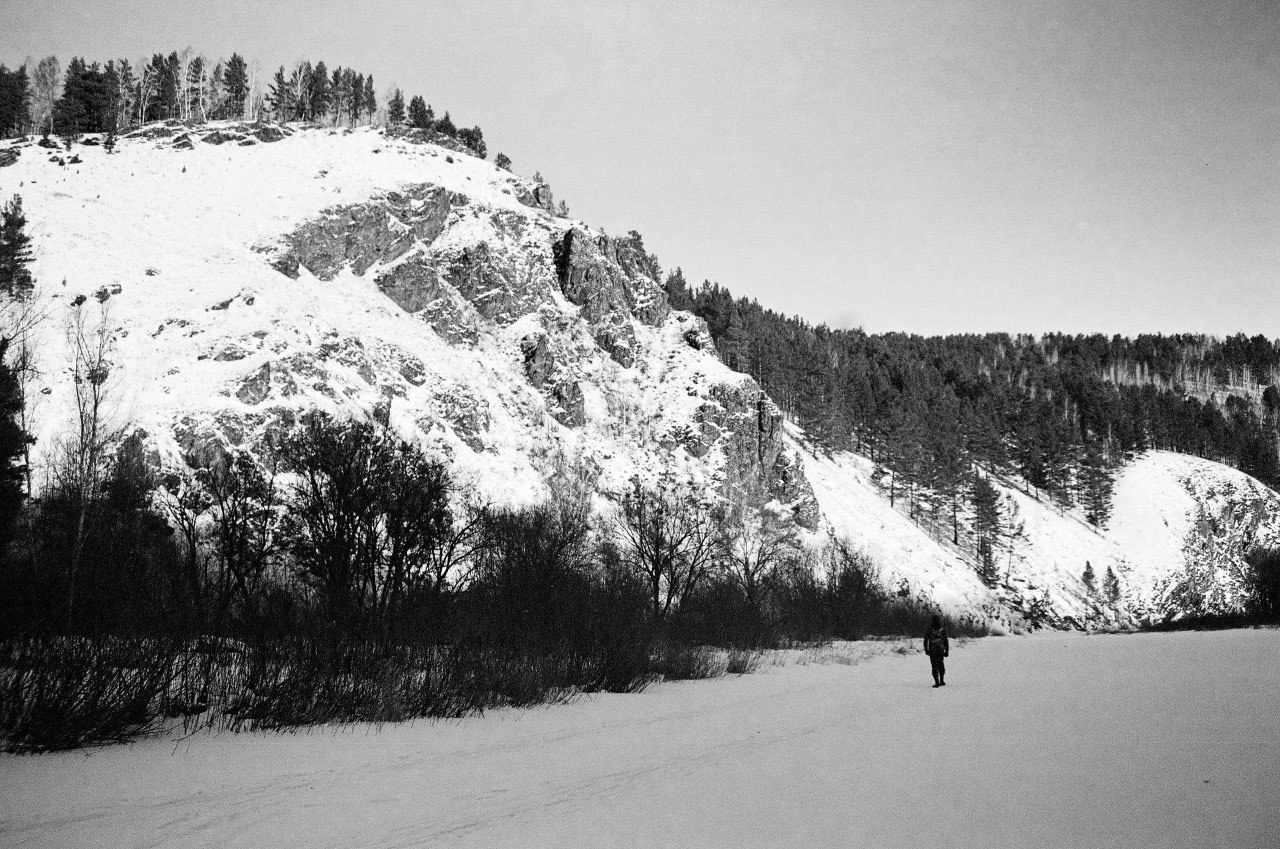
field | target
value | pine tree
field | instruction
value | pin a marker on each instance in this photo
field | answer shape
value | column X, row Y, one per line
column 170, row 86
column 473, row 138
column 13, row 443
column 70, row 114
column 419, row 114
column 235, row 81
column 395, row 108
column 370, row 98
column 1111, row 586
column 734, row 345
column 502, row 161
column 22, row 101
column 677, row 289
column 111, row 109
column 339, row 94
column 7, row 111
column 320, row 93
column 355, row 84
column 15, row 251
column 1088, row 579
column 1096, row 483
column 197, row 89
column 445, row 125
column 280, row 97
column 986, row 526
column 13, row 101
column 217, row 92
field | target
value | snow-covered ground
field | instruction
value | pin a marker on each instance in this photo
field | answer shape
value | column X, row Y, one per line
column 1162, row 740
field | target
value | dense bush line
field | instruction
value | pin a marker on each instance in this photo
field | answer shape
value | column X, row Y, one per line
column 336, row 577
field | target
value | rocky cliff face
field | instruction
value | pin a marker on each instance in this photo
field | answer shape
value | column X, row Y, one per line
column 375, row 276
column 1190, row 524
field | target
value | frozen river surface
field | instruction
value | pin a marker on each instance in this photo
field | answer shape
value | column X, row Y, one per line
column 1150, row 740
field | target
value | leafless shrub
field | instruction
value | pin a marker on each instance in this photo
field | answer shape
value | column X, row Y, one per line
column 743, row 661
column 70, row 692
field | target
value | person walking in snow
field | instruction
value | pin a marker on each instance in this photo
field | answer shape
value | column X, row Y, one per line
column 937, row 647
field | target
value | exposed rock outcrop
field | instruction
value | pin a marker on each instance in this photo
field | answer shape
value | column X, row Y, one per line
column 509, row 267
column 538, row 362
column 359, row 235
column 569, row 405
column 591, row 277
column 256, row 387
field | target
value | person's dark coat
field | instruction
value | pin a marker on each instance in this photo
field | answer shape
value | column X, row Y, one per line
column 936, row 642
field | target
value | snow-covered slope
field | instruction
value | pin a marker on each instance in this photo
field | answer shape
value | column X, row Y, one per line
column 1178, row 532
column 1184, row 525
column 246, row 275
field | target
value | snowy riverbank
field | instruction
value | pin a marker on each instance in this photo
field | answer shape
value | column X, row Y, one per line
column 1045, row 741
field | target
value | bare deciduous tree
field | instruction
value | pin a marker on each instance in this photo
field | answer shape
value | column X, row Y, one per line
column 184, row 91
column 669, row 539
column 370, row 516
column 19, row 318
column 185, row 503
column 148, row 85
column 253, row 103
column 247, row 515
column 46, row 83
column 753, row 542
column 80, row 467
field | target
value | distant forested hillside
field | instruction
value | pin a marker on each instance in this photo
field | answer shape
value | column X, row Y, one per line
column 1059, row 411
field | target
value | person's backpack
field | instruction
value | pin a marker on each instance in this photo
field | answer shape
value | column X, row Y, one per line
column 936, row 644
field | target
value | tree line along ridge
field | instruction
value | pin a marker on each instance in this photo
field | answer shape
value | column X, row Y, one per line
column 120, row 95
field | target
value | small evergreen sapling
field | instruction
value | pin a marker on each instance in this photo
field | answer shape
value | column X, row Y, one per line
column 13, row 444
column 1088, row 579
column 395, row 108
column 986, row 525
column 15, row 250
column 473, row 138
column 419, row 113
column 370, row 99
column 1111, row 586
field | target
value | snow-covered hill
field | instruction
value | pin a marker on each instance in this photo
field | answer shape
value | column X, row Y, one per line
column 1179, row 529
column 248, row 274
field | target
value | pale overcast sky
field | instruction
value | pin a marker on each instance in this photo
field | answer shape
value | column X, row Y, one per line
column 932, row 166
